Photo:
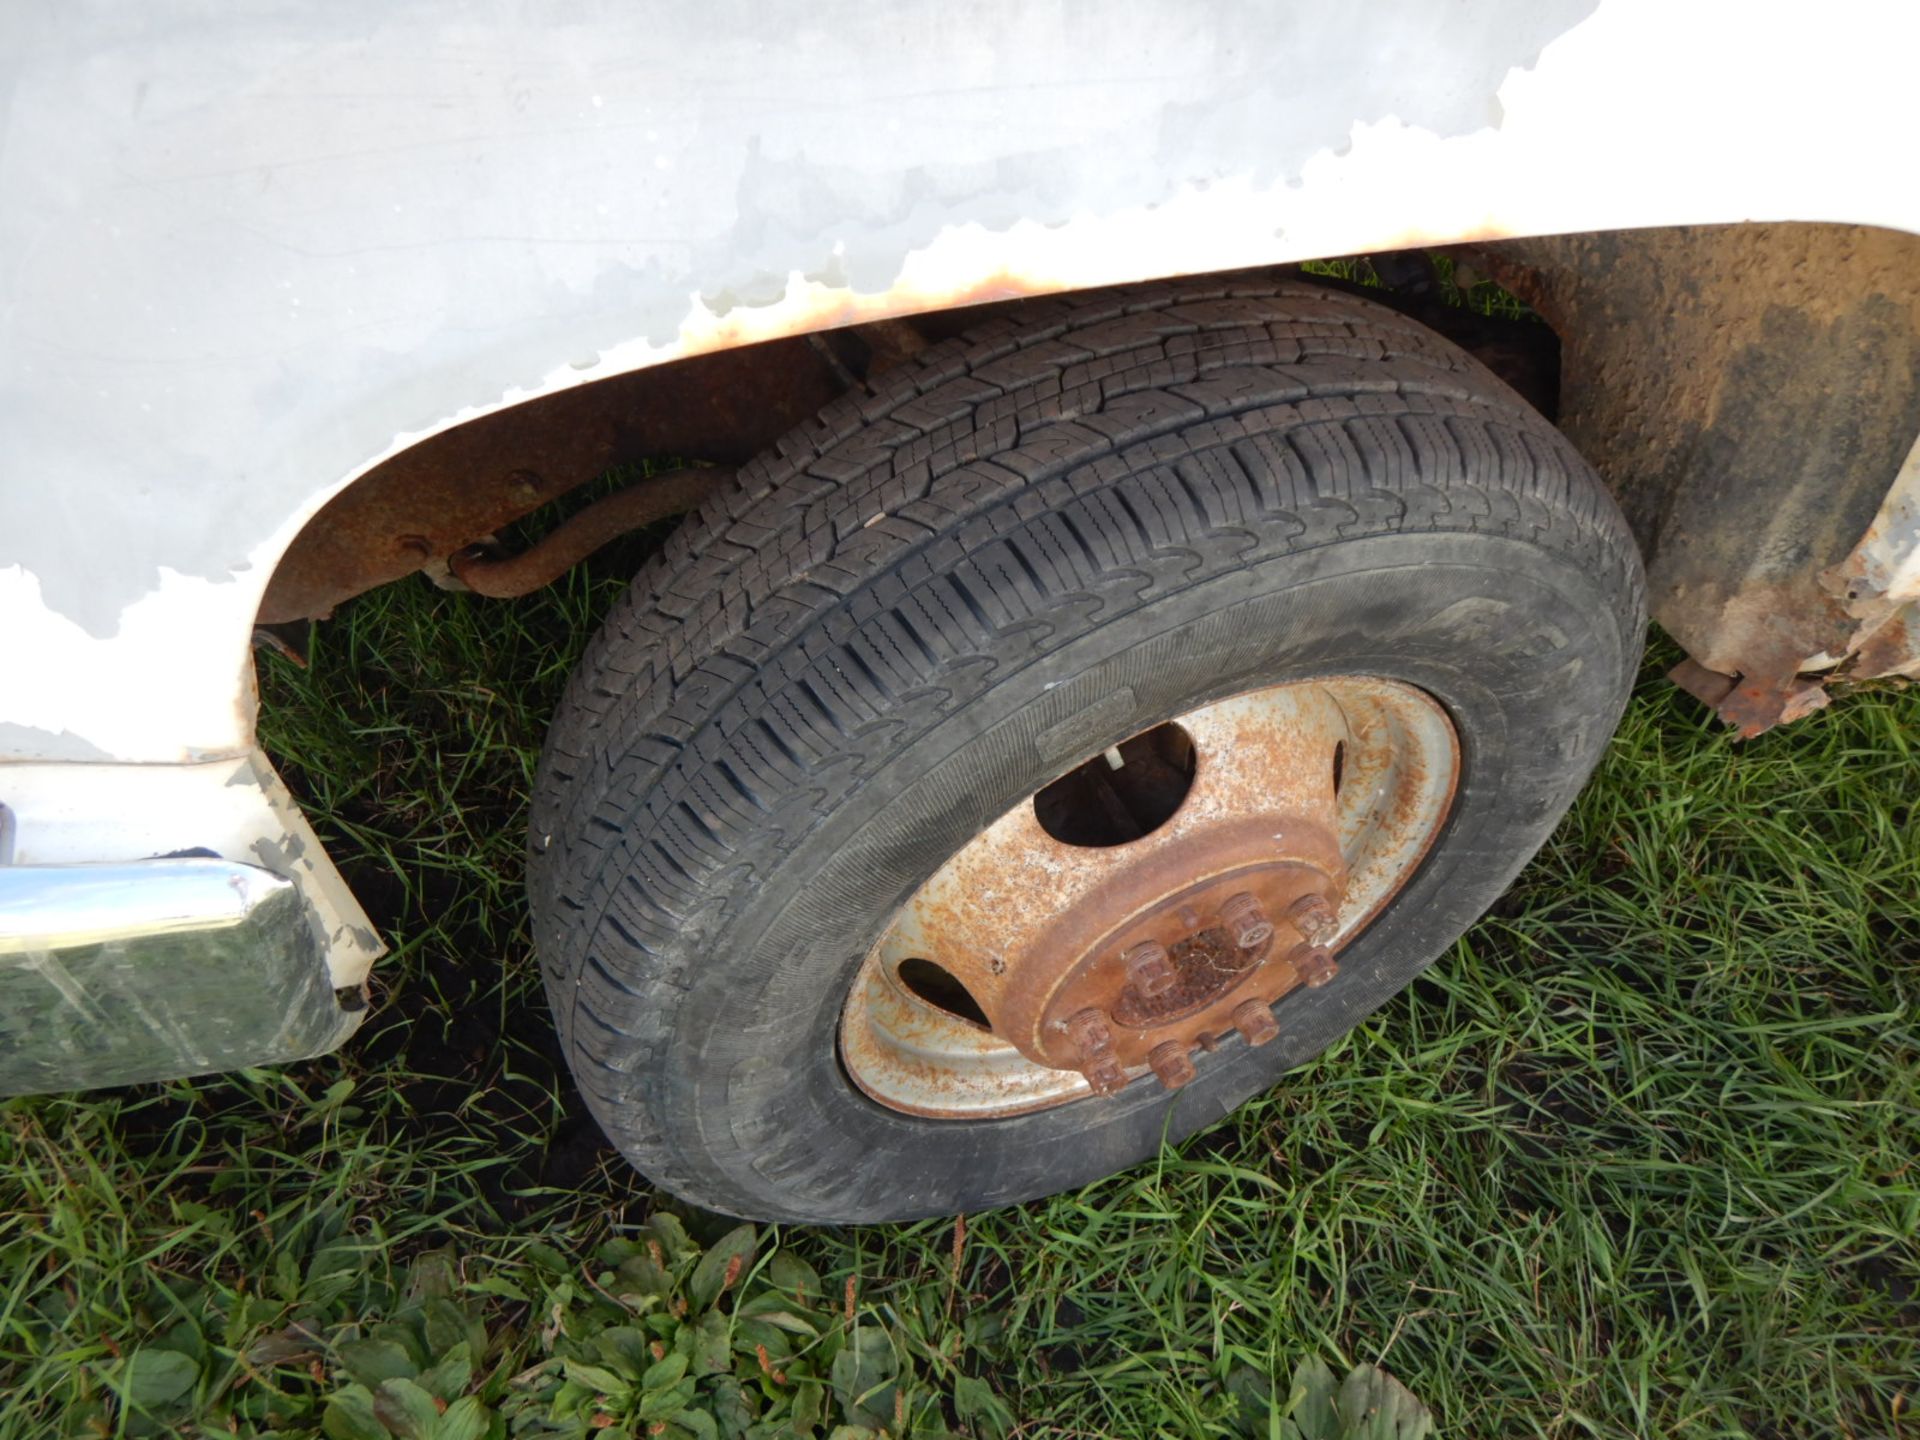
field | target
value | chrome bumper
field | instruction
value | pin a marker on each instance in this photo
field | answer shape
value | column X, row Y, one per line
column 154, row 969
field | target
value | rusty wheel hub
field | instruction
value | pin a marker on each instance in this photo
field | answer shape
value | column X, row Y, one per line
column 1153, row 902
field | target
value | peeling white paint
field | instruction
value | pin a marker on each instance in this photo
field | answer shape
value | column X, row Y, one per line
column 173, row 684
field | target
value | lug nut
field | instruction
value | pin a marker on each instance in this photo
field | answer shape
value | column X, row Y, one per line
column 1254, row 1020
column 1314, row 917
column 1105, row 1076
column 1246, row 922
column 1314, row 964
column 1088, row 1031
column 1171, row 1063
column 1149, row 968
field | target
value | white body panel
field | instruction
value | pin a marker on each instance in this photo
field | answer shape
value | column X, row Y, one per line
column 247, row 252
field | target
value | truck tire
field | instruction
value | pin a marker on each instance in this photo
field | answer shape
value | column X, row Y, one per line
column 1103, row 534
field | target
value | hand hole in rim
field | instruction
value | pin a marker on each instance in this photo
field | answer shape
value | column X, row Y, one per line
column 1101, row 803
column 940, row 988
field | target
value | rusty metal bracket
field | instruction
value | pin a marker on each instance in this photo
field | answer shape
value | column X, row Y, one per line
column 502, row 577
column 1751, row 706
column 432, row 501
column 441, row 495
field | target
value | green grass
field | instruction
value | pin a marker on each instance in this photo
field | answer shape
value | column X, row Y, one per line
column 1457, row 286
column 1637, row 1158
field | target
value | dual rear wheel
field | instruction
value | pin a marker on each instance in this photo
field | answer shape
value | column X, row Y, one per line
column 1034, row 759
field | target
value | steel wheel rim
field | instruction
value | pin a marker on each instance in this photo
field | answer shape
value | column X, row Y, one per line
column 1265, row 760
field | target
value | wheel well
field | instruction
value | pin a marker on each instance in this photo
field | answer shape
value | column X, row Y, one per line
column 417, row 508
column 1747, row 392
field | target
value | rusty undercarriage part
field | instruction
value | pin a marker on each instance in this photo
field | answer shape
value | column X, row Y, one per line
column 432, row 500
column 657, row 497
column 1152, row 902
column 1751, row 708
column 1749, row 393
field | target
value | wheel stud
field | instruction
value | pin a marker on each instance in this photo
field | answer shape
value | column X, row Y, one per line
column 1246, row 922
column 1149, row 968
column 1088, row 1031
column 1254, row 1020
column 1314, row 917
column 1105, row 1076
column 1094, row 1041
column 1172, row 1064
column 1314, row 964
